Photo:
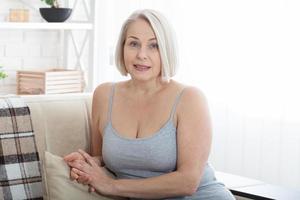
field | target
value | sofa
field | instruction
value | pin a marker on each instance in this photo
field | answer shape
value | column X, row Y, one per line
column 61, row 125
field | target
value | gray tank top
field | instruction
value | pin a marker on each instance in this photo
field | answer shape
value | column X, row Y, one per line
column 144, row 157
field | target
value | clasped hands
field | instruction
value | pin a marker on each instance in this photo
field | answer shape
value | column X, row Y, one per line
column 87, row 171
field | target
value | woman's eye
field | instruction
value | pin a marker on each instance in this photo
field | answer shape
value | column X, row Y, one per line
column 133, row 44
column 153, row 46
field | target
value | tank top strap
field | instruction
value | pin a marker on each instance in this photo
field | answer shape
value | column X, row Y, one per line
column 111, row 98
column 176, row 103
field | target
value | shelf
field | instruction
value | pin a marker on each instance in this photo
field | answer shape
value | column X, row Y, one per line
column 77, row 38
column 45, row 26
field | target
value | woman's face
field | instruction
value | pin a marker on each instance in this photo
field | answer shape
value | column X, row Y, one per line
column 141, row 53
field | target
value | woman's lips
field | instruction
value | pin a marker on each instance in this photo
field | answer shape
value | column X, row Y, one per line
column 141, row 67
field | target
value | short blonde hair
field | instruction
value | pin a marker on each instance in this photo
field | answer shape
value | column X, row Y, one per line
column 165, row 38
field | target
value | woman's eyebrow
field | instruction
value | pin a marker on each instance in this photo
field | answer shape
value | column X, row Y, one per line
column 152, row 39
column 136, row 38
column 133, row 37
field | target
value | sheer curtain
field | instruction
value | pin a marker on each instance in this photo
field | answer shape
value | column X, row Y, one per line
column 245, row 56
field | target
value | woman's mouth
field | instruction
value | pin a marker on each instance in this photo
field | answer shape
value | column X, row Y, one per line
column 141, row 67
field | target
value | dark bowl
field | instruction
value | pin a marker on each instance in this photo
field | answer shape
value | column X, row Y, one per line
column 55, row 14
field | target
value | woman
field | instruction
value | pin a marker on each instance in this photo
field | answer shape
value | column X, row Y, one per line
column 152, row 132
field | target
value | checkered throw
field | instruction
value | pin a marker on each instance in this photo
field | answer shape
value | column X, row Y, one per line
column 20, row 173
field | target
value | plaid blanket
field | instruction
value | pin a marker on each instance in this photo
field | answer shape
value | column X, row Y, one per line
column 20, row 173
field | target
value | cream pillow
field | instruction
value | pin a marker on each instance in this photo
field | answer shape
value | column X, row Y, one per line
column 59, row 185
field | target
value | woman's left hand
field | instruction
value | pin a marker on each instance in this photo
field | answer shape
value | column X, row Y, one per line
column 93, row 174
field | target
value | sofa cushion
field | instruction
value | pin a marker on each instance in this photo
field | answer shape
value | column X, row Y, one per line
column 60, row 187
column 61, row 122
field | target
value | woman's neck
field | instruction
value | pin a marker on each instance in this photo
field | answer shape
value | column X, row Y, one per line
column 146, row 87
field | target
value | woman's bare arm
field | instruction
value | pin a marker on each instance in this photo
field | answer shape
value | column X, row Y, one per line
column 99, row 105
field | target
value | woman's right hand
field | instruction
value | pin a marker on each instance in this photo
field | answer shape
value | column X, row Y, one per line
column 72, row 157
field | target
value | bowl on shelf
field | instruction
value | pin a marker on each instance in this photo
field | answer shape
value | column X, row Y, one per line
column 55, row 14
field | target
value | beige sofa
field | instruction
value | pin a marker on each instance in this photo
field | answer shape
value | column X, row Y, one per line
column 61, row 124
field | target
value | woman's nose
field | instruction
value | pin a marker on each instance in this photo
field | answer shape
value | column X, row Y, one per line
column 142, row 53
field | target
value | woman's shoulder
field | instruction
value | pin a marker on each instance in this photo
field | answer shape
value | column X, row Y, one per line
column 189, row 91
column 191, row 97
column 103, row 88
column 193, row 92
column 101, row 93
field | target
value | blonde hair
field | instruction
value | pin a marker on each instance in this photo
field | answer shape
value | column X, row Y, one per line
column 165, row 38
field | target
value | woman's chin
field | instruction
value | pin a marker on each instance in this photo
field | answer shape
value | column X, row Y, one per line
column 142, row 77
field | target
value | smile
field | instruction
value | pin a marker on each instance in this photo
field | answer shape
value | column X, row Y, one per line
column 141, row 67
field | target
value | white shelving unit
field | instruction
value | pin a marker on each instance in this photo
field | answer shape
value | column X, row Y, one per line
column 45, row 26
column 67, row 36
